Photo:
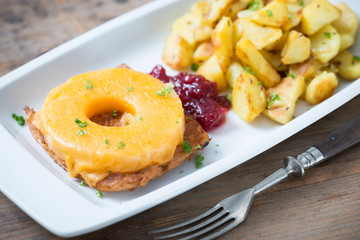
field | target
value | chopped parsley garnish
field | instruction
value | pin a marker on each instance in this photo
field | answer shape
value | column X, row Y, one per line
column 139, row 119
column 195, row 67
column 249, row 70
column 254, row 5
column 89, row 85
column 270, row 13
column 292, row 75
column 356, row 58
column 81, row 132
column 121, row 145
column 127, row 124
column 80, row 123
column 217, row 145
column 114, row 113
column 129, row 89
column 327, row 35
column 301, row 3
column 198, row 147
column 109, row 171
column 259, row 83
column 273, row 97
column 165, row 91
column 199, row 160
column 99, row 194
column 289, row 16
column 187, row 147
column 82, row 183
column 107, row 142
column 19, row 119
column 228, row 97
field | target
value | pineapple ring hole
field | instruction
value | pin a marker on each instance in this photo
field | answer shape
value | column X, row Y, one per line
column 109, row 112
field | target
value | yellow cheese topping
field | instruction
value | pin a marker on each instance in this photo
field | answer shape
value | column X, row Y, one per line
column 93, row 151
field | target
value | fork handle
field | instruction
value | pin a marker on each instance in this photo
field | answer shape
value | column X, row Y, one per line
column 342, row 138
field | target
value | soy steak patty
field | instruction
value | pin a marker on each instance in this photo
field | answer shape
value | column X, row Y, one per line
column 194, row 134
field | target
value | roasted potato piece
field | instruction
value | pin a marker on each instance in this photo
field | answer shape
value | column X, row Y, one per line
column 251, row 57
column 274, row 14
column 248, row 97
column 296, row 48
column 233, row 73
column 217, row 9
column 307, row 69
column 346, row 41
column 282, row 99
column 321, row 87
column 274, row 59
column 317, row 14
column 222, row 40
column 348, row 67
column 238, row 29
column 325, row 44
column 212, row 71
column 278, row 45
column 260, row 35
column 348, row 22
column 238, row 5
column 203, row 52
column 177, row 52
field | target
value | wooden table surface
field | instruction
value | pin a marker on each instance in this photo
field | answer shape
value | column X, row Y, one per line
column 325, row 204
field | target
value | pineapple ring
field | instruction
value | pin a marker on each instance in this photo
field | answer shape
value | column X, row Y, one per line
column 93, row 151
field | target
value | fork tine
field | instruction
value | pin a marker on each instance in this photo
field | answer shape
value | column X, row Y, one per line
column 183, row 224
column 198, row 226
column 209, row 228
column 222, row 231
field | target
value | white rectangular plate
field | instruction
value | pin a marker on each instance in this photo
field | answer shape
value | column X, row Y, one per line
column 30, row 178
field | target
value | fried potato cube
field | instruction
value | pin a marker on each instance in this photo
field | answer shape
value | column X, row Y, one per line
column 317, row 14
column 248, row 97
column 296, row 48
column 222, row 40
column 348, row 22
column 278, row 45
column 282, row 99
column 238, row 5
column 325, row 44
column 274, row 14
column 346, row 41
column 233, row 72
column 212, row 71
column 348, row 66
column 238, row 29
column 177, row 52
column 203, row 52
column 248, row 55
column 217, row 9
column 274, row 59
column 321, row 87
column 261, row 36
column 307, row 69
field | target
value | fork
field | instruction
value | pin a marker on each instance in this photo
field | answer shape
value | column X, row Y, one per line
column 233, row 210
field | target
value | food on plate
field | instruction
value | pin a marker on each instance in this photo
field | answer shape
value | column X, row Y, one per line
column 115, row 128
column 274, row 41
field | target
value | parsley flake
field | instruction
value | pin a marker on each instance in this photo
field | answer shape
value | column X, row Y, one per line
column 89, row 85
column 327, row 35
column 292, row 75
column 199, row 160
column 107, row 142
column 289, row 16
column 129, row 89
column 121, row 145
column 81, row 132
column 249, row 70
column 273, row 97
column 80, row 123
column 114, row 113
column 165, row 91
column 270, row 13
column 198, row 147
column 254, row 5
column 187, row 147
column 99, row 194
column 259, row 83
column 19, row 119
column 195, row 67
column 82, row 183
column 139, row 119
column 356, row 58
column 228, row 97
column 301, row 3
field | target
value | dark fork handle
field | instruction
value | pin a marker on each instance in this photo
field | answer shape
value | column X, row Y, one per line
column 342, row 138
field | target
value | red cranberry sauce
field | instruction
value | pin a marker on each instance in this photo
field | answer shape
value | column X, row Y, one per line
column 198, row 96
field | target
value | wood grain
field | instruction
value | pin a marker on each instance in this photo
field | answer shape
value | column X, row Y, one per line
column 325, row 204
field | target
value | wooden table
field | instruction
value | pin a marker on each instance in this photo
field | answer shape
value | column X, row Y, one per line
column 325, row 204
